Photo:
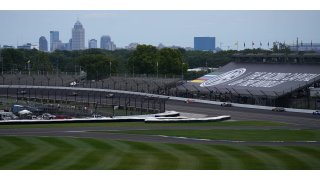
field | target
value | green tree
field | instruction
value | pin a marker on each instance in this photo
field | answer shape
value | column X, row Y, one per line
column 171, row 62
column 143, row 60
column 97, row 66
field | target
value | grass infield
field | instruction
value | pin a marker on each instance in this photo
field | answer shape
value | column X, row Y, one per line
column 238, row 135
column 119, row 124
column 84, row 153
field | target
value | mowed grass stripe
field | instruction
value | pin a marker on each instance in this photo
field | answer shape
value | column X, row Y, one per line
column 226, row 161
column 309, row 161
column 269, row 161
column 247, row 160
column 23, row 148
column 98, row 151
column 71, row 153
column 179, row 159
column 33, row 160
column 113, row 157
column 135, row 158
column 206, row 161
column 60, row 149
column 87, row 153
column 312, row 151
column 186, row 160
column 55, row 150
column 6, row 147
column 291, row 162
column 166, row 160
column 81, row 149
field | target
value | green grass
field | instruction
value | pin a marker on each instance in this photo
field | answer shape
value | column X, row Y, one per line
column 85, row 153
column 241, row 135
column 135, row 124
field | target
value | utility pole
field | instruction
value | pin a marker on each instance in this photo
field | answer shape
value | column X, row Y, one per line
column 110, row 67
column 1, row 62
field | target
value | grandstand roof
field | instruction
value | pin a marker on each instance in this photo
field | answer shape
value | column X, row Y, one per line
column 257, row 79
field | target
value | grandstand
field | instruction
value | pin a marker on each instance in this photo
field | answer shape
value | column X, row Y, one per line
column 140, row 83
column 38, row 79
column 271, row 84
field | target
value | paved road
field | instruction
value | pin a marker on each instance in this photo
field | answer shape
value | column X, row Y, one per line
column 301, row 120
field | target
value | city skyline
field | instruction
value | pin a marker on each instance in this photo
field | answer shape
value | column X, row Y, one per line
column 167, row 27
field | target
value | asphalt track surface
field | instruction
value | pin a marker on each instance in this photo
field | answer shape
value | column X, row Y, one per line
column 293, row 121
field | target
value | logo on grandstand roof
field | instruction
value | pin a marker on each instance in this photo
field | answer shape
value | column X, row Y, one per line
column 225, row 77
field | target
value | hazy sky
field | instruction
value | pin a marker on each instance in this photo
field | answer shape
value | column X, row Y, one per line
column 167, row 27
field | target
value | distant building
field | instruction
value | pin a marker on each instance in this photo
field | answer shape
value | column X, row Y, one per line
column 106, row 43
column 78, row 37
column 160, row 46
column 54, row 40
column 25, row 46
column 92, row 44
column 305, row 47
column 43, row 44
column 7, row 47
column 204, row 43
column 132, row 46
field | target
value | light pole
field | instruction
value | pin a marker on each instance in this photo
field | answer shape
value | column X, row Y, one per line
column 157, row 69
column 29, row 66
column 133, row 69
column 182, row 70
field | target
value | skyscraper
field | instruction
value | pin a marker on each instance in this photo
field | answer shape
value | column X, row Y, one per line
column 204, row 43
column 78, row 37
column 106, row 43
column 43, row 44
column 92, row 44
column 54, row 40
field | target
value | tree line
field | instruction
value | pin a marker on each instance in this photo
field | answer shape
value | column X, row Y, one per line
column 99, row 63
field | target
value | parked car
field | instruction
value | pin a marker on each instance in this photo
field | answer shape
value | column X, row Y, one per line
column 226, row 104
column 48, row 116
column 317, row 112
column 73, row 94
column 189, row 101
column 22, row 92
column 278, row 109
column 63, row 117
column 110, row 95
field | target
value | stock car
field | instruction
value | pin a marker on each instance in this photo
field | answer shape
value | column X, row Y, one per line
column 317, row 112
column 226, row 104
column 278, row 109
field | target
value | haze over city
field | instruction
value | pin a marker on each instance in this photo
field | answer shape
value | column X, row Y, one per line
column 166, row 27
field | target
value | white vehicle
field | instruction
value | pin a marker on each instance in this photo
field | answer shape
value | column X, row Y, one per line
column 48, row 116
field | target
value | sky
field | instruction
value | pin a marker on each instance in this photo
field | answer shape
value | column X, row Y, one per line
column 167, row 27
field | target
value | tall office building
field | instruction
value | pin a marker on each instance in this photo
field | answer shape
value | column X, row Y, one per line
column 106, row 43
column 204, row 43
column 54, row 40
column 92, row 44
column 43, row 44
column 78, row 37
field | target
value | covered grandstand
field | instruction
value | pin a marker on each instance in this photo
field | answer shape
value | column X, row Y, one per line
column 271, row 84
